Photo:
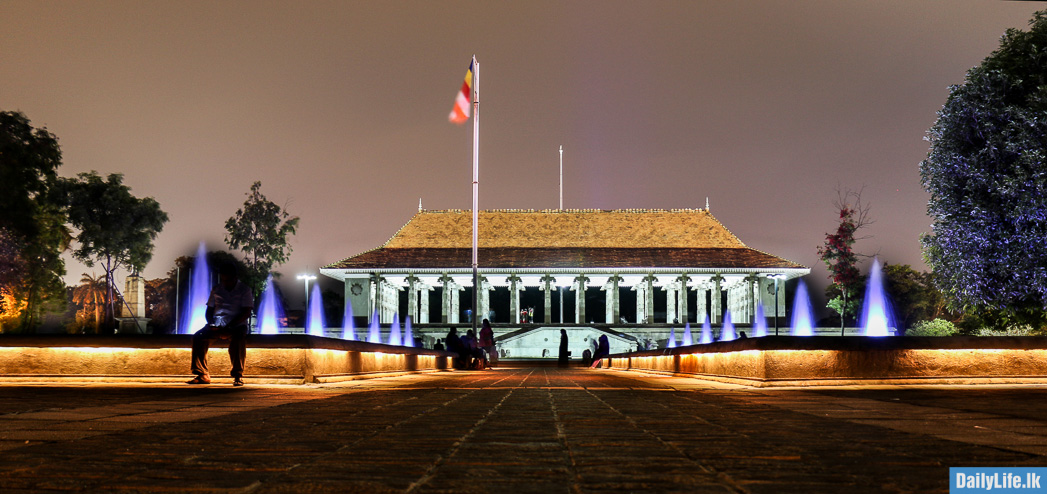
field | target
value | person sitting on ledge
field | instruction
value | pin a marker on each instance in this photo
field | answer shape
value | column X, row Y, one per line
column 228, row 309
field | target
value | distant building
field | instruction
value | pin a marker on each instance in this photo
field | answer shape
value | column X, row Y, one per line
column 638, row 265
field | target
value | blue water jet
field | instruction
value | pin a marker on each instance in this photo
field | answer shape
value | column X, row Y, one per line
column 195, row 309
column 375, row 335
column 760, row 324
column 687, row 335
column 707, row 332
column 314, row 315
column 269, row 309
column 394, row 331
column 876, row 317
column 727, row 333
column 348, row 331
column 408, row 333
column 802, row 321
column 671, row 343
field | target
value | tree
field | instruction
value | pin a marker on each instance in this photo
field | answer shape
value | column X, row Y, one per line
column 985, row 175
column 115, row 228
column 29, row 160
column 90, row 295
column 260, row 229
column 913, row 295
column 839, row 256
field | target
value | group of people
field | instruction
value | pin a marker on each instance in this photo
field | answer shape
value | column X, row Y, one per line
column 474, row 352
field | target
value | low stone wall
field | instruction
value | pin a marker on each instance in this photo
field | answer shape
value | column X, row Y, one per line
column 270, row 358
column 818, row 360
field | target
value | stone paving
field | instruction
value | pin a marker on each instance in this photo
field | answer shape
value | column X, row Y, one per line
column 511, row 430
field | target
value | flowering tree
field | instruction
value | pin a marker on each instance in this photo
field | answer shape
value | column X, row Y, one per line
column 839, row 256
column 985, row 175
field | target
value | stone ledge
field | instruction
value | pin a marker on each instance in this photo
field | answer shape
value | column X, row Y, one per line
column 133, row 358
column 817, row 361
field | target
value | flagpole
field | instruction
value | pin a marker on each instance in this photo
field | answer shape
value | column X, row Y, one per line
column 561, row 176
column 476, row 181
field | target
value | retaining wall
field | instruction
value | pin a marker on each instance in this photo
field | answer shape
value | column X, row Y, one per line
column 270, row 358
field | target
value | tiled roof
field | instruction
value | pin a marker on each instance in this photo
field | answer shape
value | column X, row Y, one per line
column 517, row 257
column 519, row 239
column 624, row 228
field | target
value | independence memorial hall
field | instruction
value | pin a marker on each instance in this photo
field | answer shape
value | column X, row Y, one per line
column 633, row 274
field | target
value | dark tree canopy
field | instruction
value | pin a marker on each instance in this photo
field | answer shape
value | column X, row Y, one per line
column 260, row 229
column 115, row 228
column 29, row 160
column 986, row 173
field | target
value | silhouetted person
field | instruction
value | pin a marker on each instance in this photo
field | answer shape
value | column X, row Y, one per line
column 603, row 349
column 228, row 309
column 741, row 335
column 454, row 345
column 487, row 342
column 565, row 355
column 439, row 345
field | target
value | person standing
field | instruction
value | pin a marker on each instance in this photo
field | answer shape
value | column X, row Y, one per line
column 228, row 310
column 565, row 355
column 487, row 343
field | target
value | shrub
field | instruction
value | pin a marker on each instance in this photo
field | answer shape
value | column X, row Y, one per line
column 937, row 327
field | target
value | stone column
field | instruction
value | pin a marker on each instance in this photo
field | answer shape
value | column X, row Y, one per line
column 641, row 303
column 455, row 308
column 412, row 296
column 483, row 299
column 547, row 287
column 579, row 298
column 700, row 306
column 683, row 293
column 423, row 311
column 448, row 283
column 613, row 309
column 649, row 298
column 715, row 311
column 515, row 287
column 670, row 302
column 377, row 298
column 750, row 296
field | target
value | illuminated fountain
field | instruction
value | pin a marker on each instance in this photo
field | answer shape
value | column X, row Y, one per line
column 876, row 314
column 760, row 324
column 408, row 333
column 394, row 331
column 269, row 310
column 803, row 314
column 727, row 333
column 193, row 314
column 687, row 335
column 314, row 315
column 348, row 331
column 707, row 332
column 672, row 339
column 375, row 335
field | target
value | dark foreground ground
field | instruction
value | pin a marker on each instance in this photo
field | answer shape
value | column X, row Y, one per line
column 514, row 430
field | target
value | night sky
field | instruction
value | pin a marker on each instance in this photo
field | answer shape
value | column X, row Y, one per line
column 340, row 109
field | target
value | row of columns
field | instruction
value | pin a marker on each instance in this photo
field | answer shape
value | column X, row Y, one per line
column 741, row 298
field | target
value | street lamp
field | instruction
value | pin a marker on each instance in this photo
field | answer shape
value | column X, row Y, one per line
column 307, row 278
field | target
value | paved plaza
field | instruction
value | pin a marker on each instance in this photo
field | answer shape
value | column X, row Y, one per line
column 510, row 430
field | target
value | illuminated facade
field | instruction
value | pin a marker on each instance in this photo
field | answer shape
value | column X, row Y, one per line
column 619, row 267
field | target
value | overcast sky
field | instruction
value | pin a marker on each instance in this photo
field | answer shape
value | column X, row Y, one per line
column 340, row 109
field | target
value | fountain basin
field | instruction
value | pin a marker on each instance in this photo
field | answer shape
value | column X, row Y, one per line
column 815, row 360
column 283, row 358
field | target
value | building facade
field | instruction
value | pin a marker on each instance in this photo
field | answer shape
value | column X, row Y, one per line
column 617, row 267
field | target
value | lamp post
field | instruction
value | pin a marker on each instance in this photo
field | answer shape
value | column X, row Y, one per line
column 307, row 278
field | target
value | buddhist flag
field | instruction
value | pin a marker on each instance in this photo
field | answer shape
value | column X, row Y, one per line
column 462, row 101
